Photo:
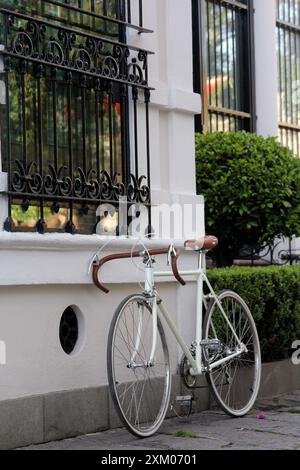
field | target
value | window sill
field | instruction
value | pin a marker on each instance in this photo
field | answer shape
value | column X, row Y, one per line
column 60, row 259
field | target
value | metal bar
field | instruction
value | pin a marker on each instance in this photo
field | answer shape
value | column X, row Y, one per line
column 251, row 66
column 72, row 199
column 229, row 112
column 22, row 72
column 75, row 30
column 228, row 59
column 288, row 126
column 219, row 362
column 118, row 9
column 123, row 95
column 234, row 3
column 141, row 13
column 97, row 128
column 135, row 130
column 204, row 63
column 296, row 70
column 233, row 18
column 8, row 223
column 70, row 228
column 110, row 125
column 221, row 53
column 105, row 7
column 205, row 46
column 290, row 76
column 129, row 11
column 215, row 52
column 63, row 67
column 280, row 73
column 104, row 16
column 40, row 224
column 114, row 134
column 286, row 79
column 54, row 115
column 102, row 132
column 83, row 85
column 297, row 60
column 288, row 25
column 147, row 101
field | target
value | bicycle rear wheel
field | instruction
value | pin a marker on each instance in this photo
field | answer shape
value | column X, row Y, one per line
column 140, row 391
column 234, row 384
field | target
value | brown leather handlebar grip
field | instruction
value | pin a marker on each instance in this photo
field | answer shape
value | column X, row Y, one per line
column 136, row 254
column 175, row 268
column 98, row 264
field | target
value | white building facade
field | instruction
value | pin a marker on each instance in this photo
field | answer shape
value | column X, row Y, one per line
column 72, row 112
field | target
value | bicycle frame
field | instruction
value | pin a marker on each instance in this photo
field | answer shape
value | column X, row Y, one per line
column 197, row 367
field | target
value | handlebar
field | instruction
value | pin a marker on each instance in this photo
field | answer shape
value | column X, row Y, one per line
column 136, row 254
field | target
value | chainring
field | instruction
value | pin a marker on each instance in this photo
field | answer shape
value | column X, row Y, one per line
column 184, row 368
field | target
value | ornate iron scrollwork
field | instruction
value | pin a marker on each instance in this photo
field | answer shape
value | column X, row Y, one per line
column 77, row 51
column 56, row 182
column 96, row 72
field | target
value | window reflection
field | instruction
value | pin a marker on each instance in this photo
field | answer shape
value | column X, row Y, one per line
column 99, row 112
column 288, row 49
column 227, row 64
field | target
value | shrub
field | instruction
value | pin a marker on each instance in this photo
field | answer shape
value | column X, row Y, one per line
column 251, row 185
column 273, row 296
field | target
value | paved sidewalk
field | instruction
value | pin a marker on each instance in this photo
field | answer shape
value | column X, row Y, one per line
column 207, row 430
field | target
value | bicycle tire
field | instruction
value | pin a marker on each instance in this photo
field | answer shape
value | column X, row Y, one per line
column 149, row 394
column 234, row 385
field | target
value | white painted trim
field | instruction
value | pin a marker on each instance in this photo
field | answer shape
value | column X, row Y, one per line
column 3, row 181
column 175, row 99
column 266, row 72
column 65, row 242
column 62, row 259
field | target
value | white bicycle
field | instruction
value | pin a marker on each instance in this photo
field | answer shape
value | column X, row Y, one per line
column 226, row 347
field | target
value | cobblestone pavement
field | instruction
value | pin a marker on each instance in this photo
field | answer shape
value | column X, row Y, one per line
column 207, row 430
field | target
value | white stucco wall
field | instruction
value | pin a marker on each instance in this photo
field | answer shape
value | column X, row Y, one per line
column 266, row 83
column 36, row 363
column 42, row 275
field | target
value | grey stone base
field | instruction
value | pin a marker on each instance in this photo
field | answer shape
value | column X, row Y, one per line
column 55, row 416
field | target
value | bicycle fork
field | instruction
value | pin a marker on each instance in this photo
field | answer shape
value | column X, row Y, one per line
column 149, row 291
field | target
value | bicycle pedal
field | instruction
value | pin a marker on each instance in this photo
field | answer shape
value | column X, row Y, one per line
column 182, row 405
column 184, row 399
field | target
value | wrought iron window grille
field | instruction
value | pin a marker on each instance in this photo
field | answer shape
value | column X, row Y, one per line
column 224, row 64
column 120, row 14
column 69, row 94
column 288, row 40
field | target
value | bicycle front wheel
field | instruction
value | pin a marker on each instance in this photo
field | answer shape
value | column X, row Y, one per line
column 140, row 391
column 235, row 383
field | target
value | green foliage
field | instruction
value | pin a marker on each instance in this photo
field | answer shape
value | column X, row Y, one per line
column 188, row 434
column 294, row 411
column 251, row 185
column 273, row 296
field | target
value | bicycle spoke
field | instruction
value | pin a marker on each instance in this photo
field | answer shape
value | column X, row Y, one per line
column 140, row 391
column 234, row 383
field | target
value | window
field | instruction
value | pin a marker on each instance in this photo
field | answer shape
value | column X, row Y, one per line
column 75, row 96
column 223, row 64
column 288, row 37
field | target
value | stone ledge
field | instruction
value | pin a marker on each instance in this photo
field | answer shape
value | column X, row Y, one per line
column 38, row 419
